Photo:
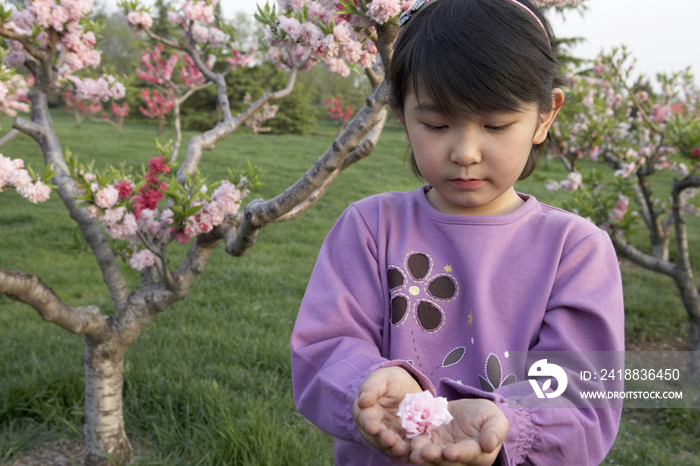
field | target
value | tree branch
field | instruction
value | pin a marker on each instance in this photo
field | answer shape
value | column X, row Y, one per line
column 259, row 213
column 645, row 260
column 364, row 150
column 41, row 129
column 13, row 133
column 208, row 139
column 164, row 41
column 29, row 289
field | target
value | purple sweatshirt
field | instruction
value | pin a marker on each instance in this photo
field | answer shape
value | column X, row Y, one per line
column 447, row 297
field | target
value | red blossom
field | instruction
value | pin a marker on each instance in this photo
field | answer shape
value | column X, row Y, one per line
column 125, row 189
column 157, row 165
column 696, row 152
column 152, row 198
column 334, row 109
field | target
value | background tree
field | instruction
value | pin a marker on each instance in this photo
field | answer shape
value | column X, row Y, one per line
column 647, row 143
column 123, row 206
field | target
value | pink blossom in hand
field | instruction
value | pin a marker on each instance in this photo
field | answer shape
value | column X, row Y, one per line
column 420, row 413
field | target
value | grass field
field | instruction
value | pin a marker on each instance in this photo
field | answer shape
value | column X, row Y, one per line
column 208, row 382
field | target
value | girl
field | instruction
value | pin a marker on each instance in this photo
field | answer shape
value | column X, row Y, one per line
column 432, row 289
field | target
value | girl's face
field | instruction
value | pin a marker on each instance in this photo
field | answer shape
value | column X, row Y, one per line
column 472, row 163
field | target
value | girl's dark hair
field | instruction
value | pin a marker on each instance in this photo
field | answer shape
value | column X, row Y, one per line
column 475, row 56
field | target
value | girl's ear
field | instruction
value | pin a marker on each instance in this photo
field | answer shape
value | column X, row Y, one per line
column 546, row 119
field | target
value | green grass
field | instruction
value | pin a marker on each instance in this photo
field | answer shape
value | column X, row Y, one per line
column 208, row 382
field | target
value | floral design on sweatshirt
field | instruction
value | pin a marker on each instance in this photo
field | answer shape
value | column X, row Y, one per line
column 494, row 373
column 415, row 290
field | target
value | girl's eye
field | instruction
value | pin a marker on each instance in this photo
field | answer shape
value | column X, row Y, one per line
column 497, row 129
column 435, row 127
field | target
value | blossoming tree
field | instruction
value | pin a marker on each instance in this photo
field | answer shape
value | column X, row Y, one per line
column 335, row 111
column 52, row 39
column 618, row 121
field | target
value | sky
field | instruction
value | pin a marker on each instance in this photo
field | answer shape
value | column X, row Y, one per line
column 664, row 36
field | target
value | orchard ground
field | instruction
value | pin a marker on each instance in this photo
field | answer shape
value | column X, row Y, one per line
column 209, row 382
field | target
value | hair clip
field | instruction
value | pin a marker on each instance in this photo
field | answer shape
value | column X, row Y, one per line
column 406, row 15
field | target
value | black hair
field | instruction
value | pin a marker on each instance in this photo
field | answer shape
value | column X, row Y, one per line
column 475, row 56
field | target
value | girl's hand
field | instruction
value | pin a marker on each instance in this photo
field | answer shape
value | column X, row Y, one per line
column 376, row 406
column 474, row 437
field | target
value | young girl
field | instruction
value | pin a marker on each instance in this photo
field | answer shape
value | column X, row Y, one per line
column 432, row 289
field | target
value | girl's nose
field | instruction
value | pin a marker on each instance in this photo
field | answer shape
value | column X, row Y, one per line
column 466, row 149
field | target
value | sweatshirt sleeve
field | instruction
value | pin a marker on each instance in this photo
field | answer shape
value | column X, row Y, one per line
column 585, row 314
column 338, row 333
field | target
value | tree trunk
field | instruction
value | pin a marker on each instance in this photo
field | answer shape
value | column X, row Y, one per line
column 161, row 125
column 104, row 433
column 660, row 249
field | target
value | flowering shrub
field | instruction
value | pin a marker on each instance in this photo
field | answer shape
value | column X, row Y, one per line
column 419, row 413
column 134, row 208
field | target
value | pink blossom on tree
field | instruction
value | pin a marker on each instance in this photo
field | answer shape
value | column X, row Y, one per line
column 267, row 112
column 157, row 106
column 13, row 175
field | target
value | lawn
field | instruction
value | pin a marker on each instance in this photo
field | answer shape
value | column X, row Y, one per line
column 208, row 382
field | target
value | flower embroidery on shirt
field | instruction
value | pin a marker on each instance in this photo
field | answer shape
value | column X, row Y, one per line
column 494, row 372
column 414, row 290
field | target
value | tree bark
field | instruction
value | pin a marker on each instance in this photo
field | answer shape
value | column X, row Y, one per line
column 104, row 435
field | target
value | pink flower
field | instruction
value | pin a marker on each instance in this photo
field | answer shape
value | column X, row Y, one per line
column 107, row 197
column 35, row 192
column 140, row 19
column 228, row 197
column 200, row 33
column 125, row 188
column 572, row 183
column 112, row 216
column 383, row 10
column 420, row 413
column 621, row 205
column 142, row 259
column 217, row 38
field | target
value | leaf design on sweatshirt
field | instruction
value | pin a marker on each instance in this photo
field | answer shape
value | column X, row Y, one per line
column 494, row 372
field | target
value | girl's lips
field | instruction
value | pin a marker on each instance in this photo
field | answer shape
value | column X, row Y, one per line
column 467, row 184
